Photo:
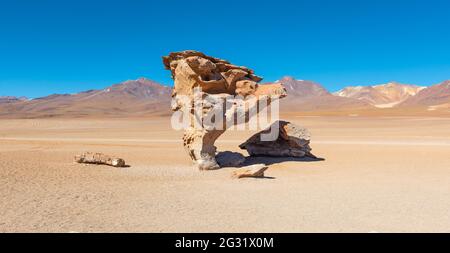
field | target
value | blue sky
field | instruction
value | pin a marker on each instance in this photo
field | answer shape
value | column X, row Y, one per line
column 68, row 46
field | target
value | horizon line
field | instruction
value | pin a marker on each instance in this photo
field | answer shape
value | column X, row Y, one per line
column 262, row 83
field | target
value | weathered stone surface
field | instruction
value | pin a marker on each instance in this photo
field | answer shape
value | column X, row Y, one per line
column 256, row 170
column 99, row 158
column 246, row 87
column 230, row 159
column 292, row 141
column 217, row 79
column 232, row 76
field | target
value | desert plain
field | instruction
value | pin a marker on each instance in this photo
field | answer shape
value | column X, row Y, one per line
column 379, row 174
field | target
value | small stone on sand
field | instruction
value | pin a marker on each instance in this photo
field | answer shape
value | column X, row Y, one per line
column 256, row 170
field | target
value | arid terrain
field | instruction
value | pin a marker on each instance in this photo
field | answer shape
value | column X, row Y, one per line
column 380, row 174
column 144, row 97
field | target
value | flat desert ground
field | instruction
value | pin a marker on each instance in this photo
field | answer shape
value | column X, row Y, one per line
column 380, row 174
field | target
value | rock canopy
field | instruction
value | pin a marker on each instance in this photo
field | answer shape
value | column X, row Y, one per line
column 221, row 87
column 292, row 141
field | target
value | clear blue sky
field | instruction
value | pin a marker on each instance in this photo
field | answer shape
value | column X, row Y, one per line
column 68, row 46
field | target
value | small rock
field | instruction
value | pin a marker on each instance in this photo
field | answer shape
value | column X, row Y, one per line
column 230, row 159
column 256, row 170
column 99, row 158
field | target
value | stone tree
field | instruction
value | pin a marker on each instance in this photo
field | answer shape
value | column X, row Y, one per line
column 213, row 92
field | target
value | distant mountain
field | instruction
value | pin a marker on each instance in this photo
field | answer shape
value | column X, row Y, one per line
column 302, row 88
column 434, row 97
column 310, row 96
column 134, row 97
column 383, row 95
column 145, row 97
column 10, row 99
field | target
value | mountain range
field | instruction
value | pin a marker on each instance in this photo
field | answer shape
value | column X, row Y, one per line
column 10, row 99
column 310, row 96
column 133, row 97
column 382, row 95
column 145, row 97
column 434, row 98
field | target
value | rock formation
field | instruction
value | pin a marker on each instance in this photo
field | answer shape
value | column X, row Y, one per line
column 218, row 88
column 292, row 141
column 99, row 158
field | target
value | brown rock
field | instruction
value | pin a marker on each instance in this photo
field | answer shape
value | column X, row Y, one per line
column 232, row 76
column 99, row 158
column 230, row 159
column 256, row 170
column 246, row 87
column 292, row 141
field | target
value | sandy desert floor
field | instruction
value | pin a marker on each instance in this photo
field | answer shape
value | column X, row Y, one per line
column 380, row 174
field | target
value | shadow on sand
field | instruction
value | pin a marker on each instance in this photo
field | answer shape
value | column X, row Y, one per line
column 269, row 160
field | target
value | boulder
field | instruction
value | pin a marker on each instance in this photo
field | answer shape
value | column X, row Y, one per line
column 290, row 141
column 230, row 159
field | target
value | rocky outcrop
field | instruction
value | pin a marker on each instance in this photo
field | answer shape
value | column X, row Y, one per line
column 218, row 88
column 292, row 141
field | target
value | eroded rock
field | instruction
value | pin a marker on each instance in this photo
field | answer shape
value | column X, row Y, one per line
column 99, row 158
column 256, row 170
column 211, row 84
column 292, row 141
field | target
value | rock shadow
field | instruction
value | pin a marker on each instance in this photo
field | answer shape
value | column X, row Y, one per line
column 270, row 160
column 259, row 178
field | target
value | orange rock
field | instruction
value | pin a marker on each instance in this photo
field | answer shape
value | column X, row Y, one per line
column 246, row 87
